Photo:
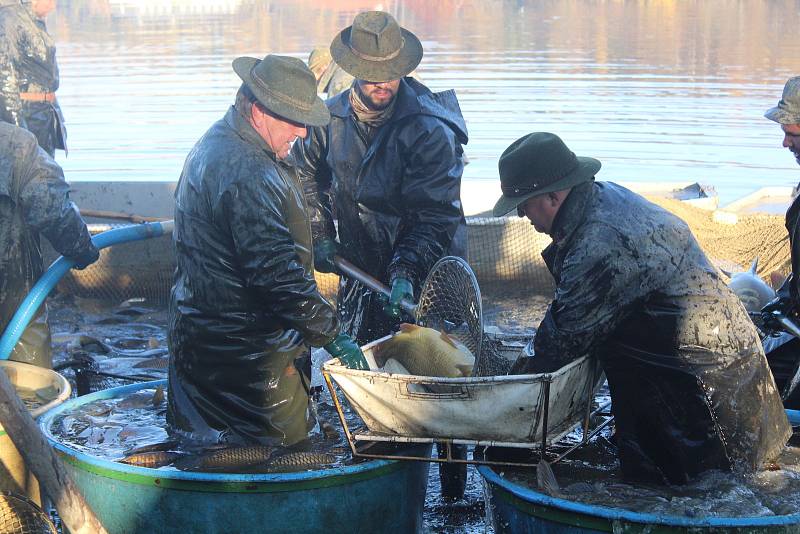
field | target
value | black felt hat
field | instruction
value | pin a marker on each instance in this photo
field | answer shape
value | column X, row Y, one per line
column 536, row 164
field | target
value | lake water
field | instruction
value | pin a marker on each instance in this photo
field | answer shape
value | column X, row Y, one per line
column 658, row 90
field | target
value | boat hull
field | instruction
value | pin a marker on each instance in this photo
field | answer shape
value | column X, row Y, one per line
column 363, row 497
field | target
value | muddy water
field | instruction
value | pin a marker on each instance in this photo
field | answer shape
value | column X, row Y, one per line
column 665, row 90
column 105, row 342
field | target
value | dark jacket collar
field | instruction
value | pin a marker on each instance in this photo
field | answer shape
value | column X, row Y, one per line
column 572, row 212
column 242, row 126
column 413, row 98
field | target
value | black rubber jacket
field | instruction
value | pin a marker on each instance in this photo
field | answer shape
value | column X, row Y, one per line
column 690, row 386
column 34, row 201
column 394, row 190
column 28, row 65
column 244, row 307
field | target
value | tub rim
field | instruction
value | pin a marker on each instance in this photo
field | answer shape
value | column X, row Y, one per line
column 200, row 481
column 533, row 498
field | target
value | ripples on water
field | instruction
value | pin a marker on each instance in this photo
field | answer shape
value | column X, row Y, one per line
column 659, row 90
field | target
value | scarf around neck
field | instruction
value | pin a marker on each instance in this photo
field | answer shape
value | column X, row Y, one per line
column 365, row 114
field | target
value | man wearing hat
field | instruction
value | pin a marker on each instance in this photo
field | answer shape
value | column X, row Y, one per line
column 388, row 166
column 244, row 307
column 783, row 349
column 690, row 386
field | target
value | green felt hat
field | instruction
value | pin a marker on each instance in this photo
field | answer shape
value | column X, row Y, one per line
column 285, row 86
column 536, row 164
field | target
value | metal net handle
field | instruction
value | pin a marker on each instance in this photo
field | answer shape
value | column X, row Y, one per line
column 450, row 296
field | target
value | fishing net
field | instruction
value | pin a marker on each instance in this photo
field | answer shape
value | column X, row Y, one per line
column 20, row 515
column 450, row 301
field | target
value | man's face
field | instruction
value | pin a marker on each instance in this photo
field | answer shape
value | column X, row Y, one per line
column 541, row 210
column 42, row 8
column 791, row 139
column 378, row 95
column 277, row 132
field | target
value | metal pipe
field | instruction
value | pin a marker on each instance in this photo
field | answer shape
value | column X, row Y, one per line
column 351, row 271
column 59, row 268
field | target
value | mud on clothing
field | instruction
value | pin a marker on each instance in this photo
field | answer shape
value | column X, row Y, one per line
column 690, row 386
column 34, row 201
column 244, row 307
column 28, row 65
column 394, row 190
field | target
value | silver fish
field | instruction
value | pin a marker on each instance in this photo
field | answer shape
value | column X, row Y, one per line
column 751, row 289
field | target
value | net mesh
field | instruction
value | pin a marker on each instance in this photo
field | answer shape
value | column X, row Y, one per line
column 450, row 302
column 20, row 515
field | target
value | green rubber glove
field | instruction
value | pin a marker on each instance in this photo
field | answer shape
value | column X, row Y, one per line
column 348, row 352
column 401, row 290
column 324, row 251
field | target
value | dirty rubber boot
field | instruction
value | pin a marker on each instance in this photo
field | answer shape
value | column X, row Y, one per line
column 452, row 476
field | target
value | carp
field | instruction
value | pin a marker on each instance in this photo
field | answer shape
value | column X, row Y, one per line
column 299, row 461
column 255, row 458
column 750, row 288
column 152, row 459
column 426, row 352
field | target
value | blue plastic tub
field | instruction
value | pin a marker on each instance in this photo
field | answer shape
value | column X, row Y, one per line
column 374, row 496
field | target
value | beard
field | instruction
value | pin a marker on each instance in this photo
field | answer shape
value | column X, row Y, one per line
column 375, row 104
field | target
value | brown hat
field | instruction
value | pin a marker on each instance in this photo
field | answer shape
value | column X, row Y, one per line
column 536, row 164
column 285, row 86
column 375, row 48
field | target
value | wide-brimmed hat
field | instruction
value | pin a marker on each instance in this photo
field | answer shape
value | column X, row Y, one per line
column 788, row 109
column 285, row 86
column 375, row 48
column 536, row 164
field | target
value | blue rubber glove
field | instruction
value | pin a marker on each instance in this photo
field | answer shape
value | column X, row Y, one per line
column 324, row 251
column 348, row 352
column 401, row 290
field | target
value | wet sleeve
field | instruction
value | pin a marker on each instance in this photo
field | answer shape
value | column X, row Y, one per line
column 44, row 197
column 309, row 160
column 599, row 280
column 269, row 262
column 10, row 103
column 430, row 200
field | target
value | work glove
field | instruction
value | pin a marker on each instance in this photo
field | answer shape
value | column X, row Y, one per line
column 401, row 290
column 86, row 258
column 780, row 305
column 324, row 251
column 348, row 352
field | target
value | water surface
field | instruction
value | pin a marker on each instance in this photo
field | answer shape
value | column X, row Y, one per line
column 658, row 90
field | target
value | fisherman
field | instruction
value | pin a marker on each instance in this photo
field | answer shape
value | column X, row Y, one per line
column 331, row 78
column 244, row 307
column 783, row 349
column 690, row 386
column 29, row 72
column 34, row 201
column 389, row 167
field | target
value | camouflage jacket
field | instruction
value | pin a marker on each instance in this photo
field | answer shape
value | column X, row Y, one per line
column 689, row 381
column 28, row 65
column 34, row 200
column 244, row 306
